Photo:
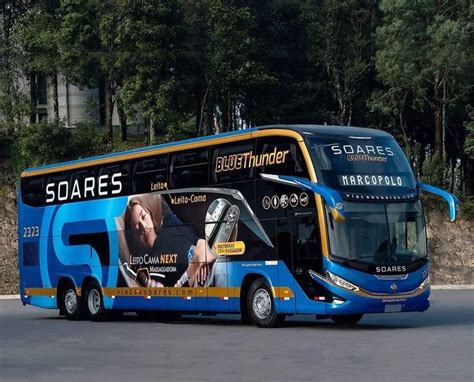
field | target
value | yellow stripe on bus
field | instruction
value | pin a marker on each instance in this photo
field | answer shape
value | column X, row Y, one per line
column 230, row 292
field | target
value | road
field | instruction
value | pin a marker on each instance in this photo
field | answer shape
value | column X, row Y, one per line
column 37, row 345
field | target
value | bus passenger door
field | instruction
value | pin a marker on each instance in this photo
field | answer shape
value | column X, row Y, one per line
column 307, row 255
column 285, row 274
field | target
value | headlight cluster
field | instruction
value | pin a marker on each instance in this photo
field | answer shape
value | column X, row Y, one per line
column 339, row 281
column 425, row 282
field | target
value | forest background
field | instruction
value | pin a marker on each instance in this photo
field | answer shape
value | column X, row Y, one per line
column 201, row 67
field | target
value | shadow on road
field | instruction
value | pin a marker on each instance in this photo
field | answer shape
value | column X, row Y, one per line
column 454, row 316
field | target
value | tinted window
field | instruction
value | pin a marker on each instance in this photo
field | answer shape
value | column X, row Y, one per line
column 77, row 183
column 230, row 162
column 189, row 169
column 32, row 191
column 282, row 156
column 57, row 188
column 110, row 179
column 30, row 254
column 149, row 174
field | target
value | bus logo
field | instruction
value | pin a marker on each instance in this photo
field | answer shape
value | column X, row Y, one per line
column 394, row 288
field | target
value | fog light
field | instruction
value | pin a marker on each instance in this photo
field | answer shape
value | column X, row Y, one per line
column 336, row 301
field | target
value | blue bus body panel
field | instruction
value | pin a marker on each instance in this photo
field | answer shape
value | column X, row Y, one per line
column 56, row 257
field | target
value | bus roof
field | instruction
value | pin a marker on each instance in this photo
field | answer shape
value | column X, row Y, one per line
column 314, row 130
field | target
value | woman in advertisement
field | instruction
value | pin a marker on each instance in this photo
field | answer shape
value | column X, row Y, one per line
column 157, row 250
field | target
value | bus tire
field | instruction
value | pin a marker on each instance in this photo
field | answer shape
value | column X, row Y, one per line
column 346, row 319
column 261, row 305
column 70, row 303
column 94, row 302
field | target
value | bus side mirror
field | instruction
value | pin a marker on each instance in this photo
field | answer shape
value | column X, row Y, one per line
column 331, row 197
column 453, row 202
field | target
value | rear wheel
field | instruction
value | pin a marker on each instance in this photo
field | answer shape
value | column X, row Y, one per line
column 261, row 305
column 71, row 303
column 347, row 319
column 95, row 302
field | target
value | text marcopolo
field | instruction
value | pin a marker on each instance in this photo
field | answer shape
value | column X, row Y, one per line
column 371, row 180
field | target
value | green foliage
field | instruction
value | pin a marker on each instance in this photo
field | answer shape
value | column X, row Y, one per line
column 86, row 140
column 349, row 62
column 34, row 145
column 467, row 208
column 37, row 35
column 433, row 171
column 200, row 67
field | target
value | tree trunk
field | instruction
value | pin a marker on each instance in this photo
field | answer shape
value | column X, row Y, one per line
column 33, row 97
column 123, row 121
column 443, row 125
column 198, row 113
column 151, row 132
column 54, row 83
column 452, row 183
column 438, row 147
column 110, row 110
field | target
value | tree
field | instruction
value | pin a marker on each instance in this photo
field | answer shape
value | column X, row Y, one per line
column 149, row 36
column 423, row 49
column 14, row 103
column 35, row 38
column 341, row 35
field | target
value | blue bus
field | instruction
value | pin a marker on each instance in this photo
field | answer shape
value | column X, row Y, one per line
column 266, row 222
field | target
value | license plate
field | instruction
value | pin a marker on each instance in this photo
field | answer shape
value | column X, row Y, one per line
column 393, row 308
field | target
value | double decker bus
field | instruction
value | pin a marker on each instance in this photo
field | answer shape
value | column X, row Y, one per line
column 265, row 222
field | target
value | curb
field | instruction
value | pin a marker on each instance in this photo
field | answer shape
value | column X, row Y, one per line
column 434, row 287
column 447, row 287
column 9, row 296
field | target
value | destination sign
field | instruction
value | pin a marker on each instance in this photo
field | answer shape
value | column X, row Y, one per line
column 363, row 166
column 372, row 180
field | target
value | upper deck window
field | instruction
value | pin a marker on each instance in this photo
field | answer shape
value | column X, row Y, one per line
column 150, row 174
column 189, row 169
column 362, row 165
column 229, row 162
column 281, row 156
column 32, row 190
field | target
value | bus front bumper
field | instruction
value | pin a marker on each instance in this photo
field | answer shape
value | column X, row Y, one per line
column 363, row 301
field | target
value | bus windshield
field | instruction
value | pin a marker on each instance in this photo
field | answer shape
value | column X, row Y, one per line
column 362, row 166
column 379, row 233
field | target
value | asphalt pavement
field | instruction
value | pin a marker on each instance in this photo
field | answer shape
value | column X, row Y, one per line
column 437, row 345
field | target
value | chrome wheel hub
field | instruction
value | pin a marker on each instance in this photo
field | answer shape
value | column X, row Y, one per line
column 262, row 304
column 93, row 301
column 70, row 301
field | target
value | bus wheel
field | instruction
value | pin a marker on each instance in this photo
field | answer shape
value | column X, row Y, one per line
column 71, row 303
column 261, row 305
column 95, row 302
column 346, row 319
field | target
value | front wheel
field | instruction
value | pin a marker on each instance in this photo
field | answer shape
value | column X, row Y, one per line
column 347, row 319
column 261, row 306
column 95, row 302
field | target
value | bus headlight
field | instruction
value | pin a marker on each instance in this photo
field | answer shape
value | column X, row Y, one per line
column 339, row 281
column 425, row 282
